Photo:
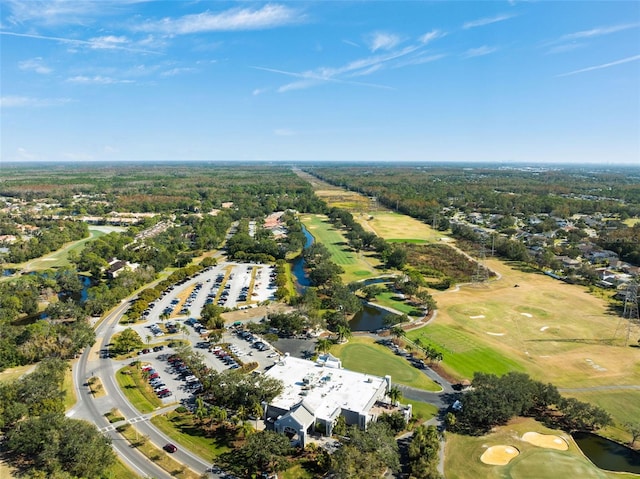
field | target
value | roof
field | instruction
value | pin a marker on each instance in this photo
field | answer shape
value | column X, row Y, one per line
column 324, row 390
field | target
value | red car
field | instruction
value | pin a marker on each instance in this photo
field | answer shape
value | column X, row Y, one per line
column 170, row 448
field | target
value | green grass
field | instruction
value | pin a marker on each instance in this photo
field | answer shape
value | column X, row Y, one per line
column 137, row 390
column 421, row 410
column 463, row 456
column 387, row 299
column 297, row 471
column 622, row 404
column 69, row 391
column 12, row 374
column 120, row 471
column 412, row 241
column 157, row 456
column 356, row 265
column 364, row 356
column 463, row 353
column 181, row 429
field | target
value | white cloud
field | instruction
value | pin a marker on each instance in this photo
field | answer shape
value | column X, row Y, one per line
column 408, row 55
column 177, row 71
column 430, row 36
column 597, row 32
column 35, row 65
column 259, row 91
column 269, row 16
column 14, row 101
column 567, row 47
column 602, row 66
column 76, row 42
column 349, row 42
column 108, row 42
column 96, row 80
column 479, row 52
column 383, row 41
column 481, row 22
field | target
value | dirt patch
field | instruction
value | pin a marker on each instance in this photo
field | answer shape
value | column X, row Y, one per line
column 499, row 455
column 549, row 441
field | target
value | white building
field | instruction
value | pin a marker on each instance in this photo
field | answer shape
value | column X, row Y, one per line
column 317, row 393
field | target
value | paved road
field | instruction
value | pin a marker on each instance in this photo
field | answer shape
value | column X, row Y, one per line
column 93, row 410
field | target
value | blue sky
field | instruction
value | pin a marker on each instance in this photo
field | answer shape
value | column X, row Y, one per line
column 333, row 80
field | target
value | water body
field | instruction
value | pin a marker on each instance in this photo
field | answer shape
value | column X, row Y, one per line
column 369, row 318
column 606, row 454
column 298, row 265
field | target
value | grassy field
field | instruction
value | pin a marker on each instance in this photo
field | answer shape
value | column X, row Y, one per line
column 387, row 299
column 356, row 265
column 59, row 257
column 421, row 410
column 182, row 431
column 363, row 355
column 137, row 390
column 15, row 373
column 69, row 391
column 396, row 227
column 463, row 456
column 158, row 456
column 463, row 353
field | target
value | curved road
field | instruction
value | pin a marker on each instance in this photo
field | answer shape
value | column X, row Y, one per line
column 93, row 410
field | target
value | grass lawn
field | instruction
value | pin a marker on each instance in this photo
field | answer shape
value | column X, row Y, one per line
column 397, row 228
column 69, row 391
column 157, row 456
column 180, row 428
column 59, row 257
column 462, row 459
column 421, row 410
column 363, row 355
column 622, row 404
column 463, row 353
column 387, row 299
column 137, row 391
column 15, row 373
column 356, row 265
column 119, row 470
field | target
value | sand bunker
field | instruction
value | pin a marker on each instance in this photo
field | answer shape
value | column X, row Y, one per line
column 545, row 440
column 499, row 455
column 527, row 315
column 480, row 316
column 544, row 328
column 494, row 334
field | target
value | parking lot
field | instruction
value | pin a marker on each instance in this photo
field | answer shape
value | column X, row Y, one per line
column 176, row 313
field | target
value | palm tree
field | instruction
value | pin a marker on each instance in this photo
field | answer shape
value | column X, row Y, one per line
column 246, row 429
column 242, row 412
column 257, row 411
column 201, row 410
column 394, row 394
column 397, row 332
column 344, row 332
column 323, row 345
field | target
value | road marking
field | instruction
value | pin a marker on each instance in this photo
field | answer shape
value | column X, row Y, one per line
column 134, row 420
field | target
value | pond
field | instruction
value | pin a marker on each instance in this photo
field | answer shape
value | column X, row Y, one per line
column 606, row 454
column 298, row 265
column 369, row 318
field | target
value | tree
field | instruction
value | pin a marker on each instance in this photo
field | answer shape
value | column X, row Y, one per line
column 344, row 332
column 126, row 341
column 366, row 453
column 323, row 345
column 265, row 451
column 394, row 394
column 634, row 429
column 423, row 453
column 397, row 332
column 54, row 443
